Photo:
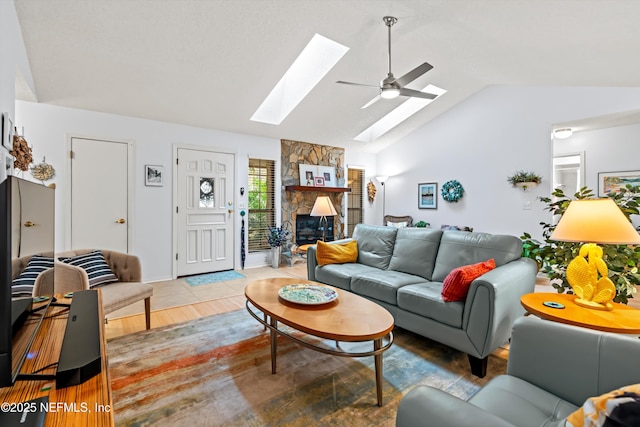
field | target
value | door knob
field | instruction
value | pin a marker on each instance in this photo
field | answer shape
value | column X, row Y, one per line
column 29, row 224
column 230, row 210
column 121, row 221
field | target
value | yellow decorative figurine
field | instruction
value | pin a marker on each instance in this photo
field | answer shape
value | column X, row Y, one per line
column 582, row 274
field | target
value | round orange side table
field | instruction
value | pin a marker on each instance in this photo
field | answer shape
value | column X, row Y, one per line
column 622, row 319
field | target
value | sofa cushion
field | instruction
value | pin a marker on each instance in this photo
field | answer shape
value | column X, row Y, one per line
column 425, row 299
column 375, row 244
column 95, row 265
column 339, row 275
column 415, row 251
column 23, row 285
column 521, row 403
column 456, row 285
column 382, row 284
column 338, row 253
column 459, row 248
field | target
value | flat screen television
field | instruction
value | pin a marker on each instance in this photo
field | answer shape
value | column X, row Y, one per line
column 27, row 223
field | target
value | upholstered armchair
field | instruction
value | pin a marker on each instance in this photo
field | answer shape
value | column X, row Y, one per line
column 127, row 290
column 405, row 221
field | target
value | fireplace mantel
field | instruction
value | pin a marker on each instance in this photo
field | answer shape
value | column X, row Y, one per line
column 321, row 189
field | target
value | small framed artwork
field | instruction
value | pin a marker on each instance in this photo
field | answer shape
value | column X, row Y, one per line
column 7, row 132
column 427, row 195
column 612, row 182
column 318, row 181
column 153, row 175
column 328, row 173
column 307, row 174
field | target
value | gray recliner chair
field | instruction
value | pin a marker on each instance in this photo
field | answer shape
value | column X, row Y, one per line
column 553, row 368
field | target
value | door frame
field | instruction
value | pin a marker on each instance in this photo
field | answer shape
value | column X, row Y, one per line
column 67, row 190
column 176, row 147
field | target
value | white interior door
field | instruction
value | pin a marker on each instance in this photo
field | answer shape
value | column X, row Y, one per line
column 99, row 195
column 205, row 220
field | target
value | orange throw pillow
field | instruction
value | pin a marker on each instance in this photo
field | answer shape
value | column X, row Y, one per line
column 336, row 253
column 456, row 285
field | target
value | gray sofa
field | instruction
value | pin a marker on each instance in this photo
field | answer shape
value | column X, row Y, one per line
column 553, row 368
column 402, row 269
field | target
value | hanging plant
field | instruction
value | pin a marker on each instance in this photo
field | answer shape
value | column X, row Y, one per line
column 524, row 179
column 452, row 191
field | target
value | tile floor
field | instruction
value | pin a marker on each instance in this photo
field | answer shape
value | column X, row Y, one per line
column 173, row 293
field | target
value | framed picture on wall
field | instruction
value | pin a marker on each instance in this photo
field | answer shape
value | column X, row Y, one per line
column 153, row 175
column 612, row 182
column 328, row 173
column 319, row 181
column 307, row 174
column 7, row 132
column 428, row 195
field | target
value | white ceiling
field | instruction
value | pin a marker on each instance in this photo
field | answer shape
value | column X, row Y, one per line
column 211, row 63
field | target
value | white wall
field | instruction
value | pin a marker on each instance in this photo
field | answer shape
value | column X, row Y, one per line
column 606, row 150
column 48, row 128
column 483, row 140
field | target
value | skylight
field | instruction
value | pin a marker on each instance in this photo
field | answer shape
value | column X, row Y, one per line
column 398, row 115
column 313, row 63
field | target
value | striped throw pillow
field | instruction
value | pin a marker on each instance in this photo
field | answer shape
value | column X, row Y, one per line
column 22, row 286
column 96, row 267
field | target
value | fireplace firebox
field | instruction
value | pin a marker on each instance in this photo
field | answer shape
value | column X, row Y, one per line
column 309, row 229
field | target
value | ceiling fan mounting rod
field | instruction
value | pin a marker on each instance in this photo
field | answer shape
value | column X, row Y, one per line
column 389, row 21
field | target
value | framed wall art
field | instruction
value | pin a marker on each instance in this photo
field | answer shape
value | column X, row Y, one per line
column 7, row 132
column 307, row 174
column 428, row 195
column 328, row 173
column 153, row 175
column 612, row 182
column 318, row 181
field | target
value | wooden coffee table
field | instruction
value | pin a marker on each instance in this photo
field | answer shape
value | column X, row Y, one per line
column 622, row 319
column 350, row 318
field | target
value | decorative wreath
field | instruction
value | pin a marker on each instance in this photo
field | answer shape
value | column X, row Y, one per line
column 452, row 191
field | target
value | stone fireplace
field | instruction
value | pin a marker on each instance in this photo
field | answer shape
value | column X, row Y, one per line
column 300, row 202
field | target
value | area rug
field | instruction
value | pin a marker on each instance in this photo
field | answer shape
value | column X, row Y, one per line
column 220, row 276
column 216, row 371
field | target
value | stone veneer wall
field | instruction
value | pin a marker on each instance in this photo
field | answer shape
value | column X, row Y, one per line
column 294, row 153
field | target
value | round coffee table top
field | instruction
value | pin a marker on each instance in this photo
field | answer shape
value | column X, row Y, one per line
column 348, row 318
column 622, row 319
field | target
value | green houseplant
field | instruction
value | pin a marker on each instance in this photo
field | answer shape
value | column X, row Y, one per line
column 623, row 261
column 524, row 179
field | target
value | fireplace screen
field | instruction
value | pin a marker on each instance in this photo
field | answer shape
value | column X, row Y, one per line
column 309, row 230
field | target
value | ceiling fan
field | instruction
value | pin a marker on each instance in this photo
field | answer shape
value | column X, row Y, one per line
column 390, row 87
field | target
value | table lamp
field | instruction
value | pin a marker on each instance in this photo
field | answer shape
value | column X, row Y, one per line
column 593, row 221
column 323, row 208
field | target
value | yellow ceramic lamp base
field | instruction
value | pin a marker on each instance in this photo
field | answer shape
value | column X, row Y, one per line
column 582, row 274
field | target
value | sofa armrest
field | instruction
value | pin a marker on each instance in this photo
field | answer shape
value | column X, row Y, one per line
column 312, row 262
column 493, row 304
column 70, row 278
column 428, row 406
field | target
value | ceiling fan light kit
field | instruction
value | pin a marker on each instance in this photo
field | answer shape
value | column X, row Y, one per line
column 391, row 87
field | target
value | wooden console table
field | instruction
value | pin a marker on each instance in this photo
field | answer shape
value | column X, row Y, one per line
column 87, row 404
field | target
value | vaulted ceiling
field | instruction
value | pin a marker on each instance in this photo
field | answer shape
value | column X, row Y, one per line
column 211, row 63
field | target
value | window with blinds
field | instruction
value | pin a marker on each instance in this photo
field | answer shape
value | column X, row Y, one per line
column 355, row 199
column 261, row 194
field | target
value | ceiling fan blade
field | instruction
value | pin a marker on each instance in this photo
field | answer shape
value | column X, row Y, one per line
column 368, row 104
column 417, row 94
column 414, row 74
column 357, row 84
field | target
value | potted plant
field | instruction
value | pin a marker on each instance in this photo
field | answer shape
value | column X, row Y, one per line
column 552, row 256
column 276, row 238
column 525, row 180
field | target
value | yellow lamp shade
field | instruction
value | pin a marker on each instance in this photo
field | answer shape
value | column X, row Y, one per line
column 595, row 221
